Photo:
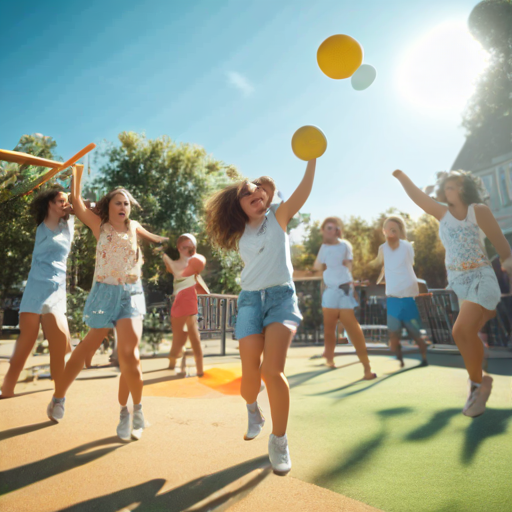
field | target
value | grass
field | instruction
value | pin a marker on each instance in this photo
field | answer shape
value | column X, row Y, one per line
column 400, row 443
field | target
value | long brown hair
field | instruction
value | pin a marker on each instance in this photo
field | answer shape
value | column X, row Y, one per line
column 472, row 187
column 102, row 205
column 40, row 203
column 225, row 219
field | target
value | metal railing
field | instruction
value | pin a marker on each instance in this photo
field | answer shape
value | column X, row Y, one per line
column 217, row 316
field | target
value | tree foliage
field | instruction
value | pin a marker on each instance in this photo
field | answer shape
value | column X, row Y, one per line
column 490, row 22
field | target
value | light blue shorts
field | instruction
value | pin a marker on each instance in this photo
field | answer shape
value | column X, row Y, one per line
column 108, row 303
column 403, row 312
column 338, row 298
column 257, row 309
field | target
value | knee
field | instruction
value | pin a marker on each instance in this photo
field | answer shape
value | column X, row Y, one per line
column 269, row 371
column 128, row 356
column 459, row 333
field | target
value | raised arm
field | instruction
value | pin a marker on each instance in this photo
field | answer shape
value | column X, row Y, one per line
column 144, row 233
column 289, row 208
column 425, row 202
column 88, row 217
column 168, row 263
column 492, row 230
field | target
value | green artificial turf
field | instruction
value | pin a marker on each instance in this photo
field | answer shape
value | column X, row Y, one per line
column 400, row 443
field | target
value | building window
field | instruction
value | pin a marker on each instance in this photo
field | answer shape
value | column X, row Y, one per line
column 490, row 184
column 504, row 185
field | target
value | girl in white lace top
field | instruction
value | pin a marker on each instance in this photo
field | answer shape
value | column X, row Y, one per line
column 470, row 275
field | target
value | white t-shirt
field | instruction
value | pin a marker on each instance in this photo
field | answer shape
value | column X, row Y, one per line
column 265, row 252
column 333, row 256
column 401, row 281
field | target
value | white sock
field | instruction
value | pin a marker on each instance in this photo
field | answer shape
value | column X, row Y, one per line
column 137, row 407
column 124, row 408
column 252, row 407
column 475, row 384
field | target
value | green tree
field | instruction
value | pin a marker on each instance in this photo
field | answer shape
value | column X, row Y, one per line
column 171, row 182
column 490, row 23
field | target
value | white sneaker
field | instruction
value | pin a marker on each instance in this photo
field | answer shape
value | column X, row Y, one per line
column 123, row 429
column 477, row 398
column 256, row 422
column 55, row 410
column 279, row 454
column 138, row 424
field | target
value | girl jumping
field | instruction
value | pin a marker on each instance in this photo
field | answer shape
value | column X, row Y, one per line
column 184, row 309
column 116, row 298
column 338, row 302
column 241, row 217
column 397, row 256
column 470, row 274
column 44, row 298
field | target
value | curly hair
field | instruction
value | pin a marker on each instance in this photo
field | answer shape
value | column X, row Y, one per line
column 102, row 205
column 333, row 220
column 401, row 224
column 473, row 189
column 225, row 218
column 40, row 203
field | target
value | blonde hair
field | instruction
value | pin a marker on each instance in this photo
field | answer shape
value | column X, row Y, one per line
column 401, row 224
column 333, row 220
column 225, row 218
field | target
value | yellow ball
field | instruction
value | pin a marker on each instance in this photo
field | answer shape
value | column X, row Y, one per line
column 339, row 56
column 308, row 143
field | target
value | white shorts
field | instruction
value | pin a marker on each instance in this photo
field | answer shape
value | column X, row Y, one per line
column 336, row 298
column 479, row 286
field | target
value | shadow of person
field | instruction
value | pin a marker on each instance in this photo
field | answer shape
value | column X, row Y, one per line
column 360, row 457
column 437, row 422
column 204, row 493
column 26, row 429
column 22, row 476
column 492, row 423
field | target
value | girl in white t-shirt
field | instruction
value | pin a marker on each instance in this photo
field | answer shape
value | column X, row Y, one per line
column 397, row 255
column 338, row 302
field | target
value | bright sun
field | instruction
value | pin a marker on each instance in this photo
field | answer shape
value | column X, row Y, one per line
column 438, row 71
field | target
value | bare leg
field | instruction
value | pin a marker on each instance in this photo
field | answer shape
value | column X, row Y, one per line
column 129, row 331
column 330, row 322
column 277, row 340
column 195, row 341
column 124, row 391
column 179, row 338
column 396, row 346
column 29, row 329
column 76, row 362
column 355, row 333
column 422, row 345
column 472, row 317
column 57, row 332
column 251, row 349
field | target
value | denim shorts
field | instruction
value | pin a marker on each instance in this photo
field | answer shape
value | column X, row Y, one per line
column 403, row 312
column 108, row 303
column 257, row 309
column 339, row 298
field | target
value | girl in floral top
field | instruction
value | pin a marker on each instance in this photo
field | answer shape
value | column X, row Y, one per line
column 116, row 298
column 470, row 275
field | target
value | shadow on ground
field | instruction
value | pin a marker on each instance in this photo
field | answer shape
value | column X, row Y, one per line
column 26, row 429
column 28, row 474
column 205, row 489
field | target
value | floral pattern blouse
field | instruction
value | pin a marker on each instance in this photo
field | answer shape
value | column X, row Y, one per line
column 118, row 256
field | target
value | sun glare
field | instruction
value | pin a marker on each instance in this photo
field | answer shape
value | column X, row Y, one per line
column 438, row 71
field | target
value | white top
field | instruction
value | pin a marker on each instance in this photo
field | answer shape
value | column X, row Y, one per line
column 333, row 256
column 401, row 281
column 265, row 251
column 463, row 241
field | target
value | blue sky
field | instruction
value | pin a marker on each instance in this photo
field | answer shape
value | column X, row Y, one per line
column 237, row 77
